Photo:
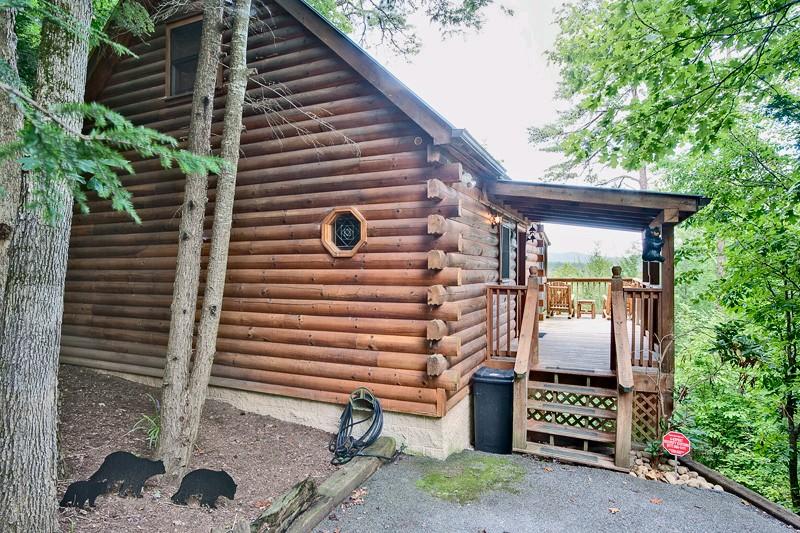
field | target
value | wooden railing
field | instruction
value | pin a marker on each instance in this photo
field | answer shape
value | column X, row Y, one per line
column 504, row 310
column 527, row 356
column 643, row 324
column 621, row 361
column 595, row 289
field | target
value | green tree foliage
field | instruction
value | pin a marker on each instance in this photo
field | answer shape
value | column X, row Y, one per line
column 387, row 24
column 129, row 15
column 89, row 160
column 751, row 339
column 706, row 91
column 599, row 266
column 93, row 160
column 649, row 76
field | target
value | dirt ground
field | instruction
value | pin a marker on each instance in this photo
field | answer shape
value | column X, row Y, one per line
column 263, row 455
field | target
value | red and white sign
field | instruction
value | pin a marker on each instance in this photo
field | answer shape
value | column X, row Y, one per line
column 676, row 444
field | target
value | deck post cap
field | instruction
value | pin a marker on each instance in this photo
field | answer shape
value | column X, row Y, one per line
column 616, row 271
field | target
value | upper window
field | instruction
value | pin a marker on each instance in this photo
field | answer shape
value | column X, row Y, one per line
column 507, row 239
column 344, row 231
column 183, row 47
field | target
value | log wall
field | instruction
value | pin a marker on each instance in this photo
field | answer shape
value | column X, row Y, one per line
column 536, row 260
column 479, row 255
column 295, row 320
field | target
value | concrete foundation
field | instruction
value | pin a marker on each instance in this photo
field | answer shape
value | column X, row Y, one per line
column 418, row 435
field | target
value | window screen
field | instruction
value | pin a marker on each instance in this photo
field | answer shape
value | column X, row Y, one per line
column 184, row 45
column 506, row 243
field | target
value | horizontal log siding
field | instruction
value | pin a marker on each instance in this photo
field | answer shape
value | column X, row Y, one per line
column 536, row 249
column 295, row 321
column 479, row 261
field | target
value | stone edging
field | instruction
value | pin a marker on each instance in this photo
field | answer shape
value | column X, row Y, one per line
column 670, row 471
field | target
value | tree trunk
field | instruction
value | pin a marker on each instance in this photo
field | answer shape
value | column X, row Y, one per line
column 31, row 320
column 791, row 400
column 206, row 344
column 190, row 242
column 10, row 124
column 720, row 259
column 794, row 484
column 644, row 182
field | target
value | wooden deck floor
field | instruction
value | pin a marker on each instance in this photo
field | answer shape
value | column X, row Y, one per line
column 582, row 343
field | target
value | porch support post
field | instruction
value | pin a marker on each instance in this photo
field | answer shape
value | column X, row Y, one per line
column 527, row 355
column 667, row 326
column 667, row 319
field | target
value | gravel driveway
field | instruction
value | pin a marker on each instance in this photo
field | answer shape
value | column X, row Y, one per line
column 542, row 496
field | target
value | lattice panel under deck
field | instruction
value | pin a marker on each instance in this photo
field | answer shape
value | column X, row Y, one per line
column 645, row 417
column 569, row 419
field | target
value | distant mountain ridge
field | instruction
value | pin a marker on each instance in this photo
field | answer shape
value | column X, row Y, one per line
column 572, row 257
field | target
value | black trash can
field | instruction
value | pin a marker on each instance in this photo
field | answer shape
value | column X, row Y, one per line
column 492, row 408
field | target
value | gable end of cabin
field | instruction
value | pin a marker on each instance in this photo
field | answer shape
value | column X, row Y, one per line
column 360, row 250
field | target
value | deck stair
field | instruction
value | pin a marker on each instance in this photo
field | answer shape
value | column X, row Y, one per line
column 565, row 408
column 572, row 416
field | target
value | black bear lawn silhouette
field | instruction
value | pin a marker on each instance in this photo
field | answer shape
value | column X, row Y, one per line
column 207, row 486
column 80, row 492
column 132, row 471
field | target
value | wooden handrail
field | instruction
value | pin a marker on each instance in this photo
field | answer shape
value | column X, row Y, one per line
column 641, row 289
column 591, row 280
column 621, row 360
column 527, row 355
column 527, row 349
column 596, row 289
column 619, row 316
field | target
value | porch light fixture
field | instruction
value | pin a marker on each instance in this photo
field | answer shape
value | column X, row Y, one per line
column 497, row 220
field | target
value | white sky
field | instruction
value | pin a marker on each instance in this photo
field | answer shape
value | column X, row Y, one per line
column 497, row 83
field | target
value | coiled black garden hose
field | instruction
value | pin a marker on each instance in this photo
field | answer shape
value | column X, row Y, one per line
column 343, row 445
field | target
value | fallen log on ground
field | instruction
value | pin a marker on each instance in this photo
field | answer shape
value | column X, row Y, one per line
column 304, row 506
column 279, row 515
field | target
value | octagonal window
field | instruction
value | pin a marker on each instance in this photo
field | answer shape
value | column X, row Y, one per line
column 344, row 231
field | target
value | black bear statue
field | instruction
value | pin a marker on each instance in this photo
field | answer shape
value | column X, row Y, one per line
column 80, row 492
column 207, row 486
column 131, row 470
column 651, row 248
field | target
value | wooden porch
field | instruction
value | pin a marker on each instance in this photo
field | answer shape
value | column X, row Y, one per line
column 578, row 344
column 586, row 388
column 585, row 343
column 576, row 377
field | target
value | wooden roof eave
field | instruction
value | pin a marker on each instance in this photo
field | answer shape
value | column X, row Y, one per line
column 595, row 206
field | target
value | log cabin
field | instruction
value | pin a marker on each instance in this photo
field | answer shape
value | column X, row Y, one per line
column 373, row 244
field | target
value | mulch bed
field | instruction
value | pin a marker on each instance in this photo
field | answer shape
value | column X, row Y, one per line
column 263, row 455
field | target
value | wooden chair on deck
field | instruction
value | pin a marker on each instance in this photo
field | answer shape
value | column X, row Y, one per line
column 559, row 299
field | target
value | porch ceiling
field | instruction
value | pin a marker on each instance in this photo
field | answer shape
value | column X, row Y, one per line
column 596, row 207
